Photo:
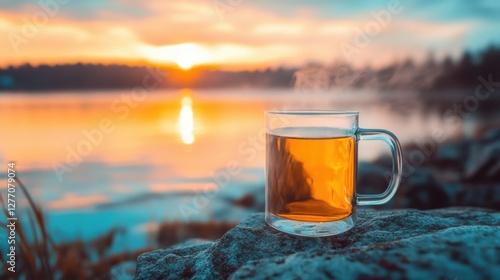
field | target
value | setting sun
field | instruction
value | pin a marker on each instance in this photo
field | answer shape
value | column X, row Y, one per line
column 184, row 55
column 185, row 63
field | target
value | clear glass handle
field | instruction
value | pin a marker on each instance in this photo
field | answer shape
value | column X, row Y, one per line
column 397, row 165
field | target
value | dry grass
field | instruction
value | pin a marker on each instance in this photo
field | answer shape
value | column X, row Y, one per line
column 39, row 257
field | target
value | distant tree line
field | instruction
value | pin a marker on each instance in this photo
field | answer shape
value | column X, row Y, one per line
column 430, row 75
column 97, row 76
column 465, row 72
column 70, row 76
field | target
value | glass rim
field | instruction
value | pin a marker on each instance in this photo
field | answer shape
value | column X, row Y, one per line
column 312, row 112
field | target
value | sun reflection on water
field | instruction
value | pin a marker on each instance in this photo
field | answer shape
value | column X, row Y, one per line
column 186, row 120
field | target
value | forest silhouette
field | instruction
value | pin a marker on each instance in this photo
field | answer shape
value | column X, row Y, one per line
column 447, row 74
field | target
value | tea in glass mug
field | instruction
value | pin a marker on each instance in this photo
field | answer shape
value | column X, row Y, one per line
column 311, row 162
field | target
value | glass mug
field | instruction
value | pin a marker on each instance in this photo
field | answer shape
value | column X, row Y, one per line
column 311, row 163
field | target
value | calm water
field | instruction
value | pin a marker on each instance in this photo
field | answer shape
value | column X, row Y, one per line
column 97, row 160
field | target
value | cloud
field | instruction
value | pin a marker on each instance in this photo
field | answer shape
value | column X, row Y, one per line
column 80, row 10
column 252, row 34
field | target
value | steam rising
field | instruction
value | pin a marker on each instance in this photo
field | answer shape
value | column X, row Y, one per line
column 398, row 76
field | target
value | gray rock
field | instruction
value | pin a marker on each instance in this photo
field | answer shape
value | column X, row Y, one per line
column 423, row 191
column 483, row 162
column 451, row 155
column 159, row 264
column 463, row 172
column 467, row 252
column 386, row 244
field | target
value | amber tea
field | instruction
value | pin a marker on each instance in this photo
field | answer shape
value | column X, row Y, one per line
column 311, row 179
column 311, row 171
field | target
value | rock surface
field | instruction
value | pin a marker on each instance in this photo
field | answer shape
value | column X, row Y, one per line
column 453, row 243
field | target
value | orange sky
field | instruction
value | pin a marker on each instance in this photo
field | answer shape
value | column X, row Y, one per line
column 197, row 33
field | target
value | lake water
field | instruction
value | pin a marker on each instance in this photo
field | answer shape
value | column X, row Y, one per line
column 97, row 160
